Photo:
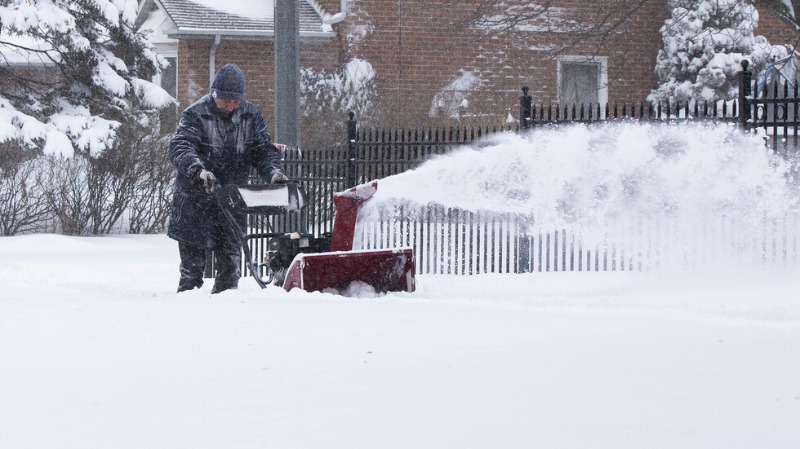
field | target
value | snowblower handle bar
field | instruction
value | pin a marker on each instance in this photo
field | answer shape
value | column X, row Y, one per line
column 266, row 199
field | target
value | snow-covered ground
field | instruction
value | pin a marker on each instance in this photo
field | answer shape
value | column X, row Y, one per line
column 97, row 351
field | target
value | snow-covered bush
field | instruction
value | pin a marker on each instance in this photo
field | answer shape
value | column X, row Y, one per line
column 352, row 88
column 326, row 99
column 782, row 67
column 704, row 43
column 453, row 100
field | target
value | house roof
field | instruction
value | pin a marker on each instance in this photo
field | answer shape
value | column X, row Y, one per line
column 193, row 18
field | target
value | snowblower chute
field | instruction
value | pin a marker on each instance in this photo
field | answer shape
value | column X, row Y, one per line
column 324, row 263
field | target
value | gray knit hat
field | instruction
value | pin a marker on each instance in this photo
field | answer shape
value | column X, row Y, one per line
column 229, row 83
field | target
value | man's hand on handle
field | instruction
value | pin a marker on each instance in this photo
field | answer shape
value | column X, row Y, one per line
column 203, row 179
column 279, row 178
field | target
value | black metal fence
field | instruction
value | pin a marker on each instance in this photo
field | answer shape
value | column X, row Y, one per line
column 490, row 243
column 532, row 115
column 771, row 105
column 377, row 153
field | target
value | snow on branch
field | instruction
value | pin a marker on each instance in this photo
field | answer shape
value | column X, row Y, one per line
column 74, row 72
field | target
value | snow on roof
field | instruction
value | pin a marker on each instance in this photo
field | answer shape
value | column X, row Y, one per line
column 232, row 17
column 262, row 9
column 160, row 27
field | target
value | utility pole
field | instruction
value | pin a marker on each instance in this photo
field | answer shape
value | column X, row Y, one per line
column 287, row 73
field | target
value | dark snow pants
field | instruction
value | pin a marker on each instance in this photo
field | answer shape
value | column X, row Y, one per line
column 227, row 262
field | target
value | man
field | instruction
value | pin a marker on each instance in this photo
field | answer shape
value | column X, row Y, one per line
column 220, row 138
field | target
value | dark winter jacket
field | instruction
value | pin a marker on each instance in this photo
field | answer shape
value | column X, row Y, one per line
column 228, row 147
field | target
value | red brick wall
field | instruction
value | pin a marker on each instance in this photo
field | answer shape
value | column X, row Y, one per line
column 417, row 48
column 632, row 55
column 254, row 57
column 775, row 30
column 414, row 47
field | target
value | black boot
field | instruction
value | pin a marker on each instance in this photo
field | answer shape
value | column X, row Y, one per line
column 219, row 288
column 227, row 260
column 189, row 284
column 193, row 263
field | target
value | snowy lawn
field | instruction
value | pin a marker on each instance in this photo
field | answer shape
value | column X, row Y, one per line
column 97, row 351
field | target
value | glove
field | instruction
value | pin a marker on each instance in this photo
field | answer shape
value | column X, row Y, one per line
column 204, row 179
column 279, row 178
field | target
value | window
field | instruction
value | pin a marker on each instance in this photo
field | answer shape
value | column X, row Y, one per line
column 169, row 77
column 168, row 80
column 583, row 80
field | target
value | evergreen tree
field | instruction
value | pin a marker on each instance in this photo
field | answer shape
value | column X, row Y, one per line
column 73, row 72
column 704, row 43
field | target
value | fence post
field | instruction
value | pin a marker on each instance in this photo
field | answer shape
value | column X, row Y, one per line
column 350, row 164
column 745, row 90
column 525, row 109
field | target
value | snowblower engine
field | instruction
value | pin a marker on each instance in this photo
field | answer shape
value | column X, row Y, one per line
column 282, row 250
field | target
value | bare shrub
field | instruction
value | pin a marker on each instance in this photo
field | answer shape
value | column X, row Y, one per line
column 66, row 193
column 151, row 199
column 22, row 209
column 127, row 188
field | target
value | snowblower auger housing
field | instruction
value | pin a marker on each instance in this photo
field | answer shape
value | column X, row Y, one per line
column 324, row 263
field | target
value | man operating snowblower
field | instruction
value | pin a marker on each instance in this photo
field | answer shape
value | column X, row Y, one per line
column 219, row 139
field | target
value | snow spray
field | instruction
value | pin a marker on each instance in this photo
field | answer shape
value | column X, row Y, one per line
column 644, row 195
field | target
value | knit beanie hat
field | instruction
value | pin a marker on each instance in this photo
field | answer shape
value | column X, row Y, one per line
column 229, row 83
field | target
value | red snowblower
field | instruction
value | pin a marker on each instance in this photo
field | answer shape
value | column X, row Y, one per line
column 326, row 263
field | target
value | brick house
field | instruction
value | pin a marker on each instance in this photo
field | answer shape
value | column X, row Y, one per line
column 429, row 57
column 197, row 40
